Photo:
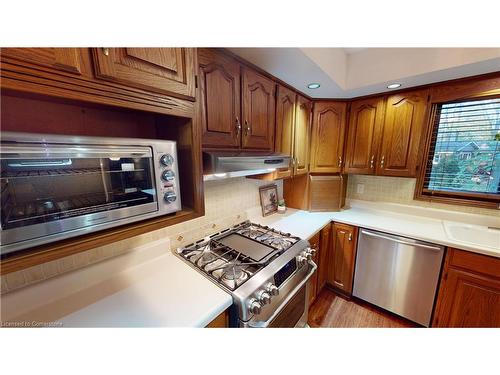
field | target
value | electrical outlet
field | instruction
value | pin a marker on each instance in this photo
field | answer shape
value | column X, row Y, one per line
column 360, row 188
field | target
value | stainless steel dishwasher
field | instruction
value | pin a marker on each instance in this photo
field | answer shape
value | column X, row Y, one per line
column 398, row 274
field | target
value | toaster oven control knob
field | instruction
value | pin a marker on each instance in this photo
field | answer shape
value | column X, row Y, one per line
column 265, row 298
column 170, row 197
column 166, row 159
column 255, row 307
column 273, row 289
column 168, row 175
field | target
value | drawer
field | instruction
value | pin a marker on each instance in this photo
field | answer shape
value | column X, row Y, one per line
column 475, row 262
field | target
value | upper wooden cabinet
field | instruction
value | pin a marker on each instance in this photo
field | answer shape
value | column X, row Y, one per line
column 469, row 294
column 285, row 124
column 366, row 120
column 169, row 70
column 258, row 94
column 327, row 140
column 302, row 135
column 219, row 77
column 404, row 122
column 64, row 59
column 385, row 134
column 343, row 257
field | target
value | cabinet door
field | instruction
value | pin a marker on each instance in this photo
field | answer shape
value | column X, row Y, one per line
column 65, row 59
column 169, row 70
column 343, row 257
column 324, row 256
column 258, row 111
column 313, row 281
column 327, row 140
column 366, row 120
column 302, row 135
column 285, row 119
column 404, row 123
column 220, row 99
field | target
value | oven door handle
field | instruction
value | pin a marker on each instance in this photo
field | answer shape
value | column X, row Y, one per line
column 266, row 323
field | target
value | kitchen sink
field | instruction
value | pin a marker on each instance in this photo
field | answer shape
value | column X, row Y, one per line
column 473, row 234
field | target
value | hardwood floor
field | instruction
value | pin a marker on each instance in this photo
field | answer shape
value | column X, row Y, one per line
column 330, row 310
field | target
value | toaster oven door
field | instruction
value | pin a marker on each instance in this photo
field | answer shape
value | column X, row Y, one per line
column 56, row 191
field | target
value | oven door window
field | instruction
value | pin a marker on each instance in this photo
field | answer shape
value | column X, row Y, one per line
column 55, row 182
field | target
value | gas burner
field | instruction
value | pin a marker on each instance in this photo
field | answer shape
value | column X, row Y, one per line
column 205, row 257
column 280, row 243
column 232, row 272
column 232, row 275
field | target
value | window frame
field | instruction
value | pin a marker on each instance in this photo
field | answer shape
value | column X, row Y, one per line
column 483, row 200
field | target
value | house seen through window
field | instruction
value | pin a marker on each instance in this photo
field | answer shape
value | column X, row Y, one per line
column 465, row 148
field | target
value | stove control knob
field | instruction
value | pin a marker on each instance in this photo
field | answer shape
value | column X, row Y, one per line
column 273, row 289
column 264, row 298
column 167, row 175
column 255, row 307
column 312, row 251
column 170, row 197
column 301, row 260
column 166, row 159
column 306, row 255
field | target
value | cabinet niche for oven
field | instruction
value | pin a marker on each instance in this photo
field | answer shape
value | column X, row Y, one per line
column 36, row 114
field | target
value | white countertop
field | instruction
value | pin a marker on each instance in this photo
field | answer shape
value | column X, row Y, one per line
column 148, row 287
column 424, row 224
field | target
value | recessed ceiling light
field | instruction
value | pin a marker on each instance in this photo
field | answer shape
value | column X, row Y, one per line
column 313, row 86
column 394, row 85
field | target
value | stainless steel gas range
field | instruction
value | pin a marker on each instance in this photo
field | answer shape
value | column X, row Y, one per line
column 265, row 270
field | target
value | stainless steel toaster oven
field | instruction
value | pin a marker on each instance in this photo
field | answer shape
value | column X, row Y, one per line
column 55, row 187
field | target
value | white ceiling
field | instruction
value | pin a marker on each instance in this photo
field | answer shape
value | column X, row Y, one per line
column 352, row 72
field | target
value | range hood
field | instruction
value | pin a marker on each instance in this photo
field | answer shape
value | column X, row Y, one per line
column 220, row 165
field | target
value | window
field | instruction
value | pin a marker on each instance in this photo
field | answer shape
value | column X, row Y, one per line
column 464, row 153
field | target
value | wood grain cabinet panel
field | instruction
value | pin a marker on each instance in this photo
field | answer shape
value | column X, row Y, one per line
column 314, row 242
column 324, row 256
column 302, row 135
column 327, row 140
column 343, row 257
column 365, row 129
column 258, row 115
column 64, row 59
column 219, row 77
column 285, row 123
column 169, row 70
column 404, row 123
column 469, row 294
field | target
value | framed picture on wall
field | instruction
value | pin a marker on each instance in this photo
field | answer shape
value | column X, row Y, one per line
column 269, row 199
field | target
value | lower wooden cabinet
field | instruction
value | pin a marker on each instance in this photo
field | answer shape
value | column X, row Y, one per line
column 324, row 255
column 469, row 294
column 314, row 241
column 221, row 321
column 343, row 257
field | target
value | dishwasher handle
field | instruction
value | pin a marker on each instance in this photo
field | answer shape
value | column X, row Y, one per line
column 393, row 239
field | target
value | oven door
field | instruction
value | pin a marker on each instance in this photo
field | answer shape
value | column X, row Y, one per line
column 52, row 191
column 293, row 310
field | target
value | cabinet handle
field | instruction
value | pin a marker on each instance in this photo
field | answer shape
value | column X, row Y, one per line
column 382, row 162
column 247, row 128
column 372, row 160
column 350, row 237
column 237, row 127
column 340, row 161
column 105, row 51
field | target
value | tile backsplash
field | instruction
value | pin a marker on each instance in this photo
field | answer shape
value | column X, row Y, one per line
column 400, row 190
column 226, row 202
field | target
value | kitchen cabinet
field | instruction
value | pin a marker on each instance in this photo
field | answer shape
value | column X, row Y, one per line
column 302, row 135
column 258, row 110
column 285, row 124
column 324, row 256
column 220, row 321
column 219, row 81
column 366, row 120
column 327, row 139
column 385, row 134
column 169, row 70
column 314, row 242
column 62, row 59
column 343, row 257
column 469, row 294
column 405, row 119
column 326, row 193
